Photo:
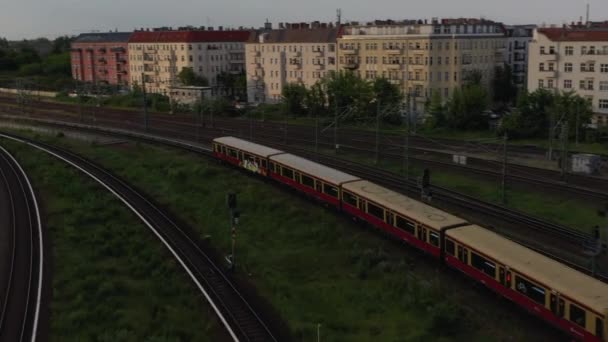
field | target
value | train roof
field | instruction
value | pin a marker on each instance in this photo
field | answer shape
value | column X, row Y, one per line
column 247, row 146
column 314, row 169
column 559, row 277
column 399, row 203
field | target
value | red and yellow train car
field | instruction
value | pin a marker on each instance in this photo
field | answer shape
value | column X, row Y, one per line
column 416, row 223
column 250, row 156
column 313, row 179
column 566, row 298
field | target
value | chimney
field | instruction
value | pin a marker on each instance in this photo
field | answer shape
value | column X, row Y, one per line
column 220, row 28
column 210, row 28
column 267, row 25
column 281, row 26
column 426, row 21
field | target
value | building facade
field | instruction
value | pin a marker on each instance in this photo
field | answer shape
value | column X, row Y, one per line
column 422, row 57
column 101, row 58
column 295, row 53
column 518, row 40
column 157, row 57
column 572, row 59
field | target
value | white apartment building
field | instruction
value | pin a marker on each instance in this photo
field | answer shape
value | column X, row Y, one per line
column 572, row 59
column 423, row 57
column 295, row 53
column 518, row 40
column 159, row 56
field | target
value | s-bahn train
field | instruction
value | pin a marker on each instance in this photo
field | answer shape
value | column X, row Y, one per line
column 562, row 296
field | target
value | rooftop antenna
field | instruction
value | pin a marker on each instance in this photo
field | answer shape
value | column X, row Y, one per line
column 338, row 16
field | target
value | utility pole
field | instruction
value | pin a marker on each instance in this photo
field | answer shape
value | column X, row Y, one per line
column 285, row 123
column 316, row 133
column 578, row 111
column 504, row 170
column 551, row 134
column 336, row 126
column 318, row 332
column 199, row 118
column 564, row 157
column 377, row 131
column 143, row 84
column 407, row 149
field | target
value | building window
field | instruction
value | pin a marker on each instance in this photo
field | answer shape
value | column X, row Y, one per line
column 541, row 67
column 568, row 67
column 567, row 84
column 590, row 85
column 542, row 50
column 550, row 84
column 569, row 50
column 603, row 85
column 603, row 104
column 551, row 67
column 582, row 85
column 541, row 83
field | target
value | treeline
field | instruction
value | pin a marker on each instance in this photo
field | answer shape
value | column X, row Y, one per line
column 45, row 64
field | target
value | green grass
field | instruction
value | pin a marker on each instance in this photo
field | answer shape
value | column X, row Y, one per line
column 112, row 279
column 315, row 266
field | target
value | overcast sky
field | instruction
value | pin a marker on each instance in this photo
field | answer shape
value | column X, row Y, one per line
column 50, row 18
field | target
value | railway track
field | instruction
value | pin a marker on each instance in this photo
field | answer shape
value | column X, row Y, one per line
column 234, row 310
column 22, row 273
column 421, row 150
column 537, row 233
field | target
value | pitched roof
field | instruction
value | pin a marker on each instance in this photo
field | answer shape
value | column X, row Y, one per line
column 188, row 36
column 573, row 35
column 110, row 37
column 302, row 35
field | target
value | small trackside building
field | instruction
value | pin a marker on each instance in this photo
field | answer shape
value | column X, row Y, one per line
column 416, row 223
column 316, row 180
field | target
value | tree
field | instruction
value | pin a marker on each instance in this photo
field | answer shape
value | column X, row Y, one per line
column 345, row 90
column 234, row 85
column 472, row 77
column 465, row 110
column 294, row 96
column 316, row 99
column 61, row 44
column 390, row 98
column 436, row 110
column 188, row 77
column 504, row 89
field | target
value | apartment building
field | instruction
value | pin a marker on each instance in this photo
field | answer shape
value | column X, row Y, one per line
column 423, row 57
column 295, row 53
column 518, row 40
column 101, row 58
column 573, row 58
column 156, row 57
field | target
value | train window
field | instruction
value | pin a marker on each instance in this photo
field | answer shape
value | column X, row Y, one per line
column 483, row 264
column 264, row 163
column 330, row 190
column 531, row 290
column 349, row 198
column 449, row 247
column 406, row 225
column 599, row 328
column 308, row 181
column 577, row 315
column 272, row 167
column 216, row 148
column 434, row 238
column 375, row 210
column 223, row 149
column 561, row 307
column 286, row 172
column 232, row 153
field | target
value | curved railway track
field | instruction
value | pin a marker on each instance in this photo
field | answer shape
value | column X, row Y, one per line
column 241, row 320
column 536, row 232
column 21, row 287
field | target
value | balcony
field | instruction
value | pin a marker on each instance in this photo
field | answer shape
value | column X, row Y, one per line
column 102, row 60
column 237, row 61
column 318, row 53
column 351, row 65
column 350, row 51
column 122, row 61
column 395, row 82
column 319, row 66
column 256, row 78
column 393, row 66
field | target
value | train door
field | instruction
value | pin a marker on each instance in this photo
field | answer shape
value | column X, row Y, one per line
column 421, row 233
column 556, row 304
column 463, row 254
column 502, row 276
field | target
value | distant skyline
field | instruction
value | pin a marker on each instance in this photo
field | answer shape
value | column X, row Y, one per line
column 27, row 19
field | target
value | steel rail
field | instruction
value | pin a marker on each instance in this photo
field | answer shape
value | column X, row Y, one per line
column 28, row 323
column 236, row 314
